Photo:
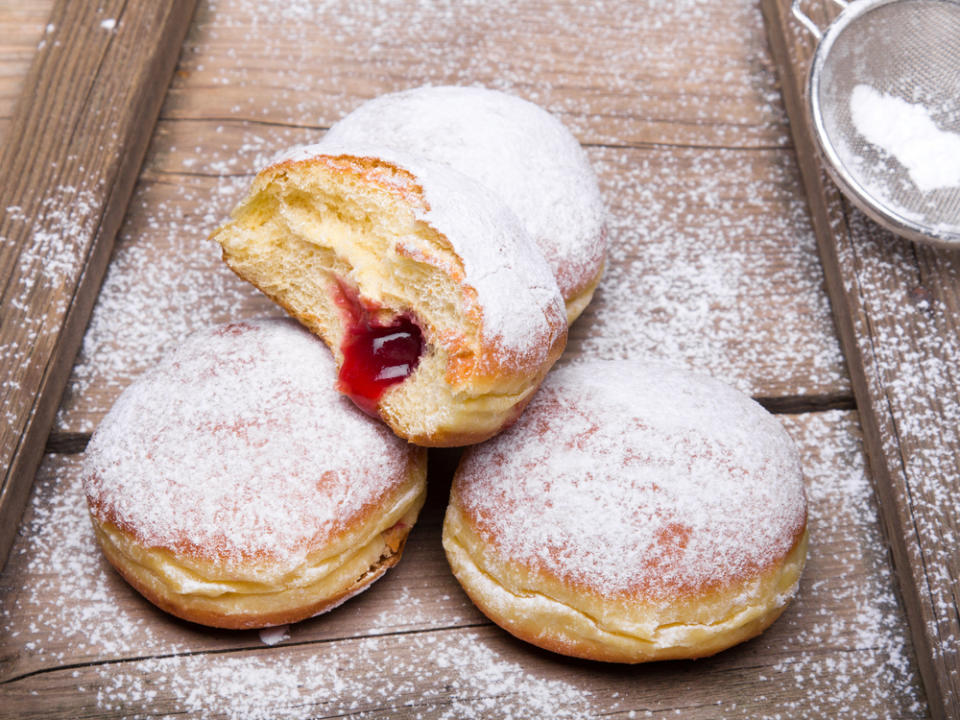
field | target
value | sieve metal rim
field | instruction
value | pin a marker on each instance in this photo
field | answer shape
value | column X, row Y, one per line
column 854, row 190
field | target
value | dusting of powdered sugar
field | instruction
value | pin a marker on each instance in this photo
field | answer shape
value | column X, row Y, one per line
column 713, row 266
column 637, row 478
column 57, row 577
column 144, row 664
column 444, row 676
column 847, row 597
column 164, row 282
column 694, row 270
column 523, row 311
column 841, row 646
column 237, row 446
column 908, row 132
column 697, row 272
column 274, row 635
column 916, row 346
column 519, row 151
column 586, row 68
column 47, row 264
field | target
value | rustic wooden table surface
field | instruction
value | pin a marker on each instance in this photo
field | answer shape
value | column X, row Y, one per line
column 714, row 266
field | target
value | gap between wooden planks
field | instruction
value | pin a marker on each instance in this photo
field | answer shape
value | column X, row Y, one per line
column 897, row 307
column 69, row 162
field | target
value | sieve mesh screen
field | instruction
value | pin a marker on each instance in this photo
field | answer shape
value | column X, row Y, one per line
column 885, row 99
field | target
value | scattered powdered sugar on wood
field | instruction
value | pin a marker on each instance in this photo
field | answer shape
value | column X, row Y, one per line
column 712, row 266
column 697, row 486
column 274, row 635
column 70, row 596
column 848, row 567
column 608, row 69
column 444, row 676
column 63, row 224
column 916, row 346
column 237, row 448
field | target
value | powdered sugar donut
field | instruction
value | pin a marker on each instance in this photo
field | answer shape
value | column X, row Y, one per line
column 442, row 315
column 515, row 148
column 633, row 513
column 233, row 487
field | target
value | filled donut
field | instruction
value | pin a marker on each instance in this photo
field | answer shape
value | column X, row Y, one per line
column 232, row 486
column 442, row 315
column 635, row 512
column 515, row 148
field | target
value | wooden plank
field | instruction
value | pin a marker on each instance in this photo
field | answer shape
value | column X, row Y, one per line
column 690, row 73
column 72, row 155
column 713, row 265
column 76, row 641
column 22, row 27
column 896, row 305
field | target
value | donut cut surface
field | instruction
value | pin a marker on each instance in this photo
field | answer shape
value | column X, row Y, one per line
column 234, row 487
column 635, row 512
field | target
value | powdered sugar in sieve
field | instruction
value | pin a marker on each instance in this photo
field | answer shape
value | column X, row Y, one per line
column 884, row 97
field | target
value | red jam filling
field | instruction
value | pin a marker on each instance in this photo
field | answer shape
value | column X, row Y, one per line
column 377, row 356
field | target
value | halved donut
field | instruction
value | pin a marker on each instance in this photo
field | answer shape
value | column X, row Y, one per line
column 442, row 315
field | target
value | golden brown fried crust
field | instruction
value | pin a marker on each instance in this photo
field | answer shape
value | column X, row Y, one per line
column 578, row 300
column 545, row 611
column 212, row 613
column 226, row 602
column 197, row 586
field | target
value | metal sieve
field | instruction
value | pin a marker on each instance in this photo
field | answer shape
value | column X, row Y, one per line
column 884, row 99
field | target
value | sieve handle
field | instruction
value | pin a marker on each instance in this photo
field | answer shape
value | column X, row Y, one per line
column 805, row 19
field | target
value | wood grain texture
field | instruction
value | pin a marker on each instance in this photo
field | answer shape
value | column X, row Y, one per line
column 77, row 641
column 22, row 27
column 69, row 164
column 687, row 73
column 896, row 305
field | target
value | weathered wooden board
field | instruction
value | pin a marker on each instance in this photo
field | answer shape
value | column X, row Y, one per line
column 68, row 166
column 77, row 641
column 22, row 27
column 896, row 305
column 686, row 73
